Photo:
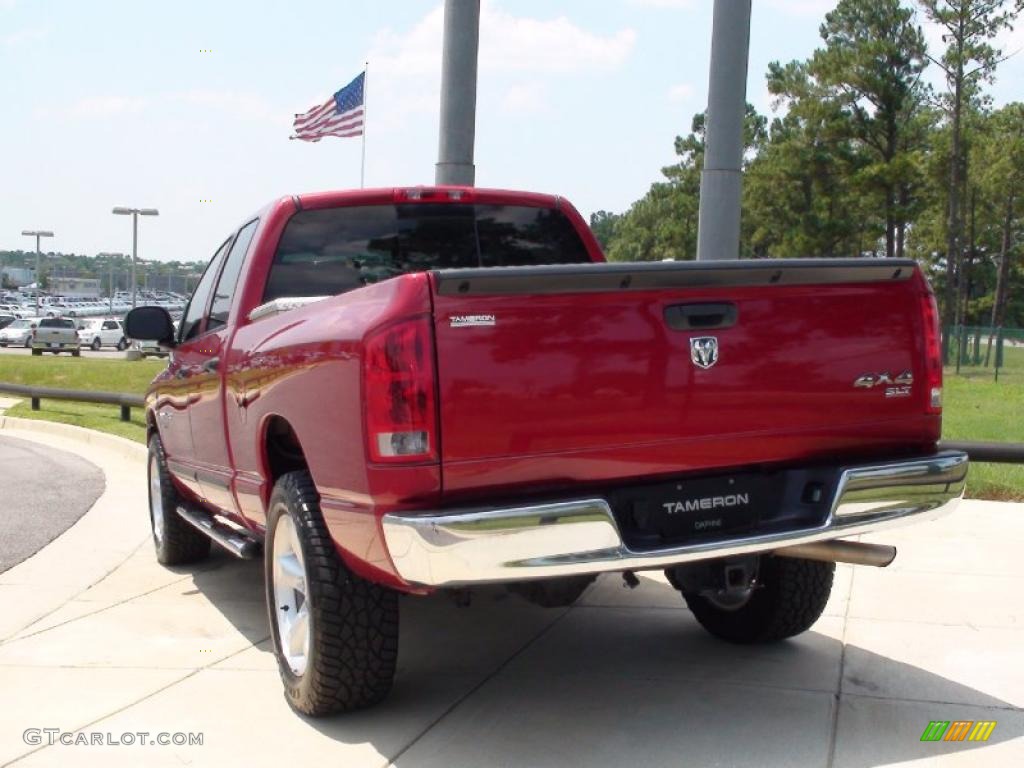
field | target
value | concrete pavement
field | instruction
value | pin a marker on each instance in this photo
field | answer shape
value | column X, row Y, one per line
column 45, row 490
column 624, row 677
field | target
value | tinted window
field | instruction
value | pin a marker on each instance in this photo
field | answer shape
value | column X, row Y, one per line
column 324, row 252
column 515, row 236
column 192, row 320
column 56, row 322
column 229, row 277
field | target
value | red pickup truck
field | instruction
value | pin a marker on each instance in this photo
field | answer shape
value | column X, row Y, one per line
column 402, row 390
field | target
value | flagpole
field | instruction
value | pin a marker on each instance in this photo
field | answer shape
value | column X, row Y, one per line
column 362, row 167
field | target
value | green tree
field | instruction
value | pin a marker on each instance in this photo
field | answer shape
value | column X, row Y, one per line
column 968, row 61
column 798, row 195
column 871, row 65
column 603, row 224
column 663, row 223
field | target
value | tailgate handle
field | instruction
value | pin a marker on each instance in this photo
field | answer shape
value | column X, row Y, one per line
column 700, row 317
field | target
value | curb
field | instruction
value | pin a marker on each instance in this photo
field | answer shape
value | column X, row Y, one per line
column 97, row 544
column 122, row 446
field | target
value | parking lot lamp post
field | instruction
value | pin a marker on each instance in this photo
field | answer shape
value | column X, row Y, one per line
column 135, row 213
column 37, row 233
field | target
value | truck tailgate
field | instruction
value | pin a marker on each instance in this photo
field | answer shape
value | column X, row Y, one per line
column 588, row 373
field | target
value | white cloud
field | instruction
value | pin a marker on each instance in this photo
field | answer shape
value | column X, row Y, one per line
column 508, row 43
column 680, row 92
column 405, row 66
column 23, row 37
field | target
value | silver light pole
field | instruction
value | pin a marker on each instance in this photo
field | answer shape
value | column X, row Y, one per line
column 718, row 225
column 135, row 213
column 37, row 233
column 458, row 93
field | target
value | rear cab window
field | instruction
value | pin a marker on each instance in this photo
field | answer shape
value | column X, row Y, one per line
column 56, row 322
column 334, row 250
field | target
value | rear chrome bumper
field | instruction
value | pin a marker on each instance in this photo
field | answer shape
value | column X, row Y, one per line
column 475, row 546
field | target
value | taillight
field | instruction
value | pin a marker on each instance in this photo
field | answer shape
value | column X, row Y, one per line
column 398, row 381
column 933, row 354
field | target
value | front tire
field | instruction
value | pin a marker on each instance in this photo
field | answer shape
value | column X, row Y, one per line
column 791, row 597
column 335, row 635
column 122, row 345
column 176, row 542
column 96, row 344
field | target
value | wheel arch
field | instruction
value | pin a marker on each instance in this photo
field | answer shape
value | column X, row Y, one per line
column 280, row 452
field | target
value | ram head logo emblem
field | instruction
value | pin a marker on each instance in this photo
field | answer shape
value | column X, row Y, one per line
column 704, row 351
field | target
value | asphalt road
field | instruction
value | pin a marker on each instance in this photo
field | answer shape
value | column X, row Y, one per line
column 43, row 491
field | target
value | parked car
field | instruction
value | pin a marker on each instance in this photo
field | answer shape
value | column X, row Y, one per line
column 56, row 335
column 6, row 320
column 96, row 333
column 18, row 333
column 508, row 409
column 151, row 348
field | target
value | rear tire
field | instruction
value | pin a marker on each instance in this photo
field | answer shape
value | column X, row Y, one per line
column 335, row 635
column 122, row 345
column 96, row 344
column 176, row 541
column 792, row 596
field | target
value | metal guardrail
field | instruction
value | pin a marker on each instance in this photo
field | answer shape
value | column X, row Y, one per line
column 35, row 394
column 1000, row 453
column 984, row 452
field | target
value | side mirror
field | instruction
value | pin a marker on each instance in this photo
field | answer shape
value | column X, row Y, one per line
column 150, row 324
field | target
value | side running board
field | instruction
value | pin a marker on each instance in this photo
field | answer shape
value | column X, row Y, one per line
column 232, row 539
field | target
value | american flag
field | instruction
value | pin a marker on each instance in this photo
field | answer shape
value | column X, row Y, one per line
column 341, row 115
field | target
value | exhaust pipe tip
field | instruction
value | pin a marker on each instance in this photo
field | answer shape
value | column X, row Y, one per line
column 837, row 551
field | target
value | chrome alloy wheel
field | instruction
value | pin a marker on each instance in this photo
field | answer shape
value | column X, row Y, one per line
column 156, row 500
column 291, row 605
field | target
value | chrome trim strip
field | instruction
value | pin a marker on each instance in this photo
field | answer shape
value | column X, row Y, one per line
column 476, row 546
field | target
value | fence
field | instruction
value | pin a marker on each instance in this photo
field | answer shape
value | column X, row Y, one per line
column 979, row 346
column 35, row 394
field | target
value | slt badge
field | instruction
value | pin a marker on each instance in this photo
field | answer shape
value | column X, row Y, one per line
column 704, row 351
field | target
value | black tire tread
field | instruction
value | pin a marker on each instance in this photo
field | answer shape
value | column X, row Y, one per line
column 792, row 597
column 354, row 623
column 182, row 542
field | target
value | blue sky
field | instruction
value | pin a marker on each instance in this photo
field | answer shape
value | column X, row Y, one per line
column 114, row 103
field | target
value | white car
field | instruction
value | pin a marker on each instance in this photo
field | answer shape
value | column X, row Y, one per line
column 18, row 333
column 97, row 332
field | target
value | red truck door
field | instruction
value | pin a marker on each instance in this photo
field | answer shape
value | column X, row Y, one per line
column 176, row 394
column 209, row 439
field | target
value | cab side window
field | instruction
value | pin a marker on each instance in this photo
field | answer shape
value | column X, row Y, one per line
column 221, row 306
column 192, row 319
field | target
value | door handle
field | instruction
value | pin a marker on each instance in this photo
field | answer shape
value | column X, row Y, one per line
column 700, row 316
column 211, row 365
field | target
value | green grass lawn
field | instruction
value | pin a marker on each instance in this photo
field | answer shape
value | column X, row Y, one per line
column 82, row 373
column 979, row 408
column 976, row 407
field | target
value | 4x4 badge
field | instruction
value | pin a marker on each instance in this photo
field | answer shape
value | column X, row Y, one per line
column 704, row 351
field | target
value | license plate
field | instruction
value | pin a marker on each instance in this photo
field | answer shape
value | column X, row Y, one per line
column 54, row 344
column 703, row 508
